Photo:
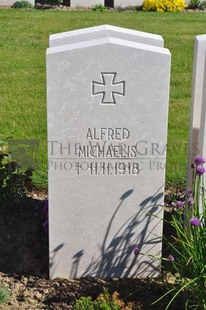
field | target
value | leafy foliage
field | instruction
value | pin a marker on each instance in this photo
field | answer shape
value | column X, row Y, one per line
column 14, row 182
column 164, row 5
column 188, row 248
column 194, row 4
column 104, row 301
column 22, row 5
column 99, row 8
column 4, row 295
column 197, row 4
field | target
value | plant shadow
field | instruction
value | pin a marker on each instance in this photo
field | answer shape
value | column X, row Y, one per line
column 116, row 257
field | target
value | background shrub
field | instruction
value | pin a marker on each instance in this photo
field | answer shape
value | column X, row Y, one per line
column 22, row 5
column 14, row 181
column 164, row 5
column 197, row 4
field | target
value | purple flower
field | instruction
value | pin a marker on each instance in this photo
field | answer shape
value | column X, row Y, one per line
column 188, row 192
column 179, row 204
column 136, row 250
column 199, row 160
column 190, row 201
column 194, row 221
column 200, row 170
column 171, row 258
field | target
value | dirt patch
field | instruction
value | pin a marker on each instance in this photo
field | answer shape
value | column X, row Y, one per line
column 29, row 292
column 24, row 267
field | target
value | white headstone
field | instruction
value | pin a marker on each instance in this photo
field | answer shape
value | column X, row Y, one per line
column 196, row 102
column 127, row 3
column 107, row 128
column 202, row 133
column 11, row 2
column 85, row 3
column 102, row 31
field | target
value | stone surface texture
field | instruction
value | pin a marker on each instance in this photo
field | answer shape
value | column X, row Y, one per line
column 202, row 135
column 127, row 3
column 196, row 103
column 102, row 31
column 107, row 129
column 85, row 3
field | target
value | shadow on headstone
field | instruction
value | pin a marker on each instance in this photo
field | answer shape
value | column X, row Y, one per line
column 115, row 259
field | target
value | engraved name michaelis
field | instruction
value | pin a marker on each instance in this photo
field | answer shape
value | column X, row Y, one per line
column 106, row 143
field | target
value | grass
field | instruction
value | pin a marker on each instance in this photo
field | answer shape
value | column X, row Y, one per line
column 23, row 41
column 4, row 295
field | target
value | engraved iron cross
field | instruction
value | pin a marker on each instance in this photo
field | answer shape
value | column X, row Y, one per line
column 108, row 88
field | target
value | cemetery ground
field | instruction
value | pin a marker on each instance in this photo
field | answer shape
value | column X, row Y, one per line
column 24, row 268
column 24, row 244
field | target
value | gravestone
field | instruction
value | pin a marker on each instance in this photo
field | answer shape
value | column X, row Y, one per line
column 85, row 3
column 102, row 31
column 107, row 127
column 127, row 3
column 11, row 2
column 202, row 134
column 196, row 103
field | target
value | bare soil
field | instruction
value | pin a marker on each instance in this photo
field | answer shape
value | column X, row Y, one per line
column 24, row 268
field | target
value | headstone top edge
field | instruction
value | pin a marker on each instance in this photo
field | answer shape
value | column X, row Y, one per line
column 107, row 40
column 201, row 37
column 104, row 28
